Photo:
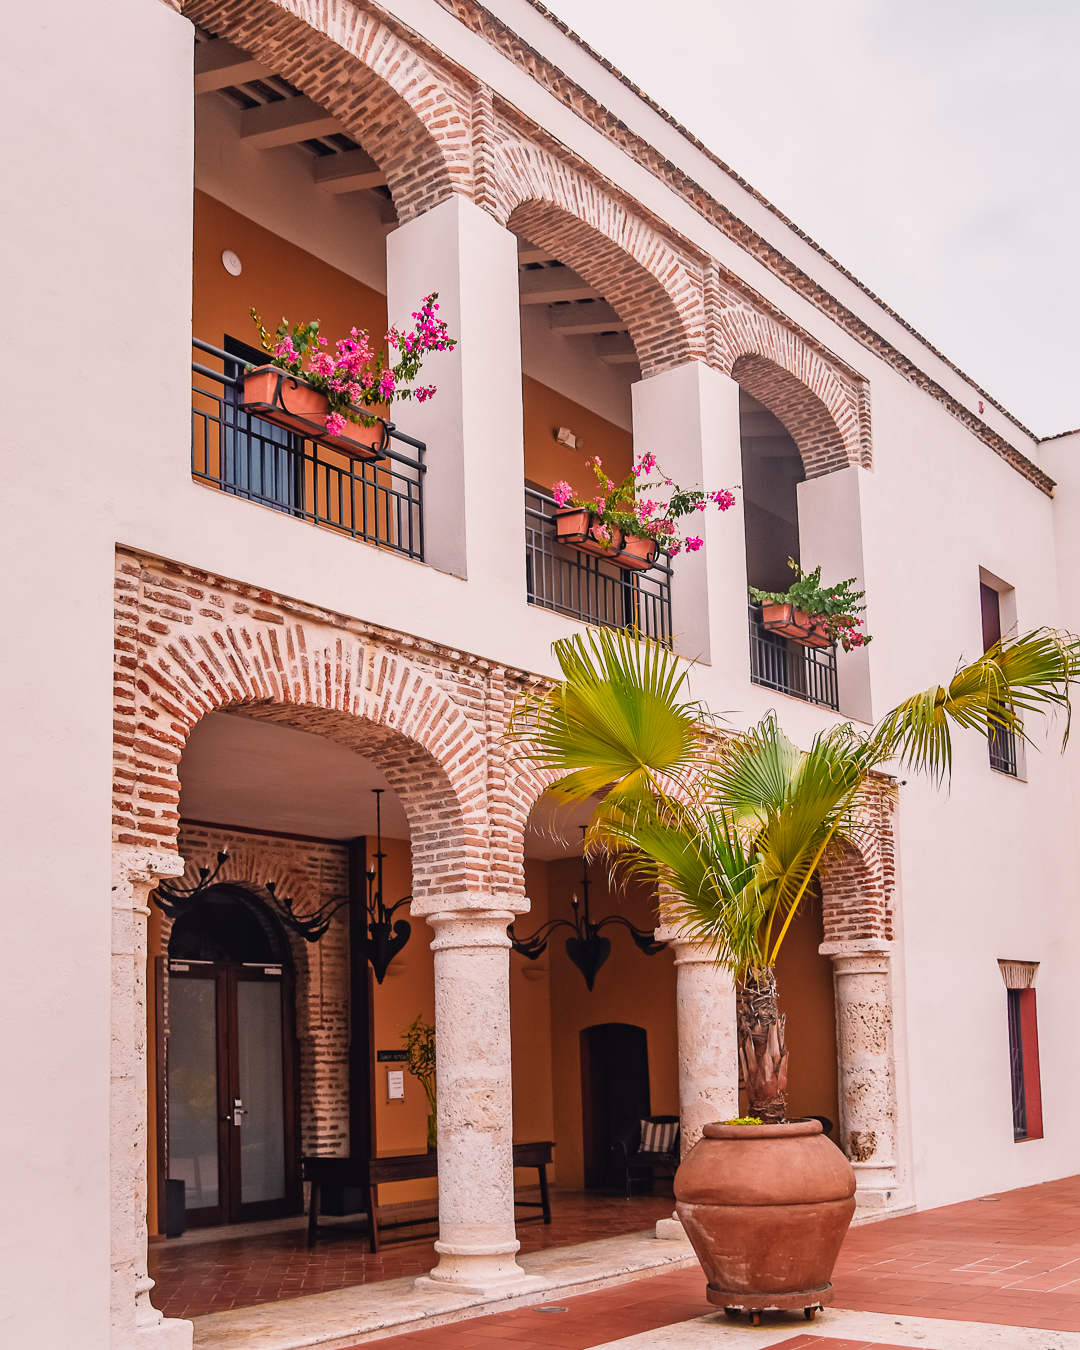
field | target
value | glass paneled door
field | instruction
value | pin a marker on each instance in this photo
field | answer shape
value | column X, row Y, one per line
column 230, row 1091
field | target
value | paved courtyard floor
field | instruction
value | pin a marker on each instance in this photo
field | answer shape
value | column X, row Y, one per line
column 215, row 1271
column 1002, row 1272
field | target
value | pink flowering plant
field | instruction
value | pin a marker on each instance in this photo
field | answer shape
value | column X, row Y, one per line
column 356, row 376
column 837, row 607
column 629, row 506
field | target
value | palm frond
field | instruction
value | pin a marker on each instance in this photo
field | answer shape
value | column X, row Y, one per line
column 1032, row 673
column 618, row 719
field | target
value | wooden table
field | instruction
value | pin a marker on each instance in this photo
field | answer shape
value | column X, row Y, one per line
column 370, row 1173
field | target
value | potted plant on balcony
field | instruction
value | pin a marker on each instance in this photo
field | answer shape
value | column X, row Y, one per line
column 815, row 615
column 731, row 827
column 328, row 398
column 623, row 523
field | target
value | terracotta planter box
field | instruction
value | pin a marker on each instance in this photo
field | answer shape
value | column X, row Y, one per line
column 276, row 396
column 793, row 623
column 766, row 1208
column 577, row 525
column 637, row 554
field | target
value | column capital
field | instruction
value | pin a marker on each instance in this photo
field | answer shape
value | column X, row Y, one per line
column 469, row 904
column 874, row 947
column 688, row 948
column 133, row 863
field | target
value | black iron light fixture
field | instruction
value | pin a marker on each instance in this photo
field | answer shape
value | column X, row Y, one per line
column 385, row 936
column 587, row 949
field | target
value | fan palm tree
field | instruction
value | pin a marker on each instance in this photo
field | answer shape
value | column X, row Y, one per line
column 732, row 826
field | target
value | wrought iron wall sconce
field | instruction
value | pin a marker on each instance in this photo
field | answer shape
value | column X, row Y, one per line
column 587, row 949
column 385, row 936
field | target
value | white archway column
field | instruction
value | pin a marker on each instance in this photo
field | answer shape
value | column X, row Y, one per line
column 136, row 1323
column 689, row 419
column 477, row 1237
column 865, row 1053
column 474, row 427
column 708, row 1047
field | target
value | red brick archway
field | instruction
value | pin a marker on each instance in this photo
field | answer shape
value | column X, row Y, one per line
column 412, row 120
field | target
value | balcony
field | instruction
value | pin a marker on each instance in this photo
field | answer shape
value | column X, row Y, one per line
column 592, row 589
column 779, row 663
column 380, row 502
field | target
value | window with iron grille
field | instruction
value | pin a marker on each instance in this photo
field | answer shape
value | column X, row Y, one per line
column 1001, row 743
column 1024, row 1077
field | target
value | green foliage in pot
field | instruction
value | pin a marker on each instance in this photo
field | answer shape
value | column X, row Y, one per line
column 837, row 606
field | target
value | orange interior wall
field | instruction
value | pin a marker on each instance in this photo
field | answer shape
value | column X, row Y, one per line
column 805, row 984
column 278, row 280
column 547, row 462
column 630, row 987
column 407, row 991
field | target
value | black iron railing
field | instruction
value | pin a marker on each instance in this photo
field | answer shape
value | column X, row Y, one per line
column 381, row 502
column 1002, row 750
column 594, row 589
column 779, row 663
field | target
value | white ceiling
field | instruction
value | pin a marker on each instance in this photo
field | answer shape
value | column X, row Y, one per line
column 237, row 770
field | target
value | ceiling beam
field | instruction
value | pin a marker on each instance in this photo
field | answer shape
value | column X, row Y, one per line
column 617, row 349
column 219, row 64
column 546, row 285
column 352, row 171
column 286, row 122
column 529, row 253
column 570, row 320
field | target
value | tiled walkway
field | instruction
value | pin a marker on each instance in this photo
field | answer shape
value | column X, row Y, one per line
column 1014, row 1260
column 238, row 1272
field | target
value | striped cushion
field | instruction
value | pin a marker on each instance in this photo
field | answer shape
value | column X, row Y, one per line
column 658, row 1138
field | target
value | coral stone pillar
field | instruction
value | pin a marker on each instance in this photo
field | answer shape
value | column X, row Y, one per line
column 864, row 1039
column 136, row 1323
column 477, row 1239
column 708, row 1047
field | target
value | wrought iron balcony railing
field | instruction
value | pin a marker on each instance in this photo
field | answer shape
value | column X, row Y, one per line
column 593, row 589
column 380, row 502
column 803, row 672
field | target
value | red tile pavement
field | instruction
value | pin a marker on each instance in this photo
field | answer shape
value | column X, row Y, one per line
column 238, row 1272
column 830, row 1343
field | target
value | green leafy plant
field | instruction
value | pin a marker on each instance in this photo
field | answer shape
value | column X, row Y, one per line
column 836, row 606
column 419, row 1038
column 732, row 827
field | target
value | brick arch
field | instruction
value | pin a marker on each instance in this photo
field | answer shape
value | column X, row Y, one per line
column 858, row 878
column 824, row 408
column 413, row 121
column 183, row 652
column 656, row 292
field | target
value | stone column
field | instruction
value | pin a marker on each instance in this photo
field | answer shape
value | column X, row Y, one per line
column 477, row 1236
column 136, row 1323
column 864, row 1039
column 708, row 1048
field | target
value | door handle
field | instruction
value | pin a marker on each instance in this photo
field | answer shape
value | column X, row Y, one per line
column 237, row 1111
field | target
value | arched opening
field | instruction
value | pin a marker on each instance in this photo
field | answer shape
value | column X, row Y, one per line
column 567, row 1069
column 587, row 315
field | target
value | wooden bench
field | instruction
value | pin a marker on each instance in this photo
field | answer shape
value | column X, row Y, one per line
column 368, row 1174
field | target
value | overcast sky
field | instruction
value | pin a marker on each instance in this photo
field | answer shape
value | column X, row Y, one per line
column 931, row 146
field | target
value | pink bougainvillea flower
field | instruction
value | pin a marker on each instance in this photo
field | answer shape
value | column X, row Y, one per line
column 693, row 544
column 562, row 492
column 335, row 424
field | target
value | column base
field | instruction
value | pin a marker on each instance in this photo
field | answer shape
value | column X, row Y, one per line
column 171, row 1333
column 671, row 1230
column 508, row 1287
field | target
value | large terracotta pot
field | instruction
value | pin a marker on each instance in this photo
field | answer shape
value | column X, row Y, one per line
column 579, row 527
column 795, row 623
column 637, row 554
column 278, row 397
column 766, row 1208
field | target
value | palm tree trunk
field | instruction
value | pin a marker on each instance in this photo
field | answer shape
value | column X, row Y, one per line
column 763, row 1055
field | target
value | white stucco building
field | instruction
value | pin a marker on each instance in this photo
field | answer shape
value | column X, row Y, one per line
column 226, row 639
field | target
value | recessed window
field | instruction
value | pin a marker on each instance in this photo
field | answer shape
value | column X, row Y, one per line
column 1019, row 977
column 1003, row 747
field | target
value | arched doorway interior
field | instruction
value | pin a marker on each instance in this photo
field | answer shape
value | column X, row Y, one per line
column 230, row 1070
